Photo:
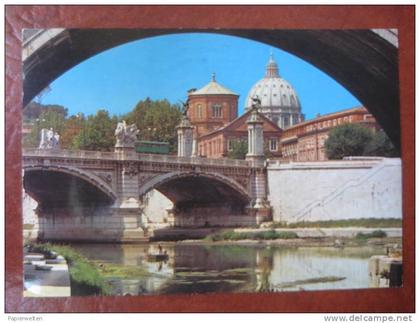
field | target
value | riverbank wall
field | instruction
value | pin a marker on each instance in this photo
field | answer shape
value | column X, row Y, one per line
column 333, row 190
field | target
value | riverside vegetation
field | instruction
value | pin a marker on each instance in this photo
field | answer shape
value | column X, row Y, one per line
column 347, row 223
column 256, row 235
column 85, row 278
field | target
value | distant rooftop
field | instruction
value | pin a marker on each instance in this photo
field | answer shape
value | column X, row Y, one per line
column 213, row 88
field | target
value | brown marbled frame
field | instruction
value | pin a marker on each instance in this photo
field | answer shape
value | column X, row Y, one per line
column 247, row 17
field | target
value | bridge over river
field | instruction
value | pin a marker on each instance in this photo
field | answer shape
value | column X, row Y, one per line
column 94, row 195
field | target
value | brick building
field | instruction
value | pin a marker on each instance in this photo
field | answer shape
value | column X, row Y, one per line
column 305, row 141
column 214, row 114
column 218, row 143
column 211, row 107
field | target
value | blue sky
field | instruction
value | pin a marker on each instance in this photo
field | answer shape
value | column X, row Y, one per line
column 167, row 66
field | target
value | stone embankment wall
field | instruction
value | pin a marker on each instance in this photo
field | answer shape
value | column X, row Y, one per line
column 92, row 224
column 334, row 190
column 30, row 218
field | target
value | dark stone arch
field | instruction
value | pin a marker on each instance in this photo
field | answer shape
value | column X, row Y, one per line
column 189, row 190
column 57, row 186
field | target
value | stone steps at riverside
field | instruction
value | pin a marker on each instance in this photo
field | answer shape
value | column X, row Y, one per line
column 53, row 281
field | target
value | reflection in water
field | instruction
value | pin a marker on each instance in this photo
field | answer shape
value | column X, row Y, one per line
column 231, row 268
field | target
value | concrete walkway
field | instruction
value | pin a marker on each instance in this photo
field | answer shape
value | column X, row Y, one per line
column 45, row 277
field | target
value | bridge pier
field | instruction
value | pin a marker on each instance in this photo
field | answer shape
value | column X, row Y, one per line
column 259, row 206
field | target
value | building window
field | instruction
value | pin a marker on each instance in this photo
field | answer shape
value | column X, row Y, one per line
column 286, row 121
column 216, row 111
column 199, row 111
column 273, row 144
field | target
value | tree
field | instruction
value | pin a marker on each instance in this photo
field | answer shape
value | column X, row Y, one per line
column 156, row 120
column 239, row 149
column 381, row 145
column 348, row 140
column 73, row 126
column 33, row 110
column 97, row 133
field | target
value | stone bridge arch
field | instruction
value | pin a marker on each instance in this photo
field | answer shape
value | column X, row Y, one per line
column 58, row 185
column 193, row 192
column 365, row 62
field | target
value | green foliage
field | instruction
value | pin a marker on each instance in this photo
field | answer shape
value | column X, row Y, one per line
column 122, row 271
column 73, row 126
column 362, row 222
column 374, row 234
column 381, row 145
column 33, row 110
column 347, row 140
column 83, row 274
column 156, row 121
column 239, row 149
column 97, row 133
column 251, row 235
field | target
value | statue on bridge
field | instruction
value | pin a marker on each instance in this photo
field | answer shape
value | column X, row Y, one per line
column 49, row 139
column 126, row 135
column 185, row 107
column 256, row 103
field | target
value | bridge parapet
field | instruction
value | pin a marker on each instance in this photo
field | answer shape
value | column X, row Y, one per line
column 132, row 156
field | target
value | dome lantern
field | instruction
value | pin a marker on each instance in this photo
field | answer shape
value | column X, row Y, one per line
column 272, row 70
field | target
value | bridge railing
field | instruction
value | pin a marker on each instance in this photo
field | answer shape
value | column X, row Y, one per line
column 133, row 156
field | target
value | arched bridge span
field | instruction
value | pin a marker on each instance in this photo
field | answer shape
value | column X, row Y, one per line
column 65, row 186
column 189, row 190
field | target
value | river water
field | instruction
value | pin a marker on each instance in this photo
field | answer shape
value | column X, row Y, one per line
column 198, row 268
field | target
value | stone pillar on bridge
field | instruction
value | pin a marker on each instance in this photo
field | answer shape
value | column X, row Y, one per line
column 185, row 138
column 128, row 206
column 259, row 206
column 255, row 138
column 127, row 182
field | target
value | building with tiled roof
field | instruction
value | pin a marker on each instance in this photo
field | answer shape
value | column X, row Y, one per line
column 211, row 107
